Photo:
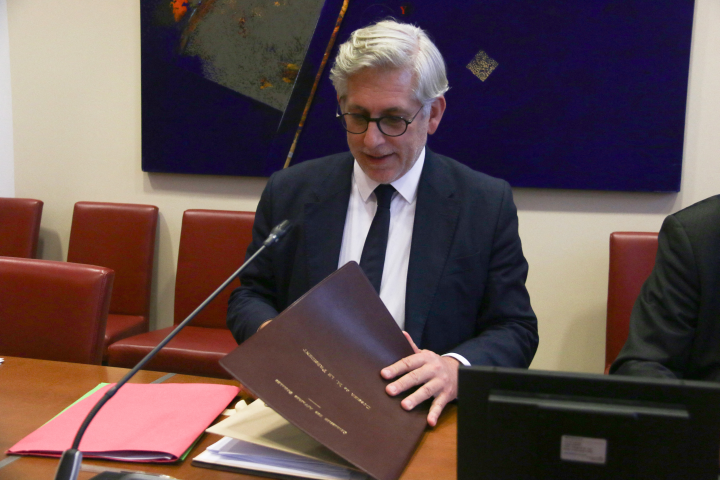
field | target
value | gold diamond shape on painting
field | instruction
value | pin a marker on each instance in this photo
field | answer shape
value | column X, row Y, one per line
column 482, row 65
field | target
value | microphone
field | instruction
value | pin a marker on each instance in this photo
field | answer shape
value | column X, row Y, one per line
column 70, row 461
column 276, row 233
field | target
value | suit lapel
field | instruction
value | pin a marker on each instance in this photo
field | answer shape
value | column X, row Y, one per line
column 325, row 220
column 433, row 231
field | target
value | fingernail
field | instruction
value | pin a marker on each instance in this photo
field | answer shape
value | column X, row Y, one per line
column 392, row 389
column 409, row 406
column 385, row 373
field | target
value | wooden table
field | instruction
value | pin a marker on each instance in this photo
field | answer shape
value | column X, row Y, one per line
column 34, row 391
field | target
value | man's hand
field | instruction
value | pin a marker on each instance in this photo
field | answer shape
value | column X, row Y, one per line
column 437, row 375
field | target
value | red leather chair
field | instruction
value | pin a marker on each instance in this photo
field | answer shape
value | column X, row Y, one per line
column 19, row 227
column 53, row 310
column 632, row 258
column 119, row 236
column 212, row 247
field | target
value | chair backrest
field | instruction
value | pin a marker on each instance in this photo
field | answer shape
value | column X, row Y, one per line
column 632, row 258
column 119, row 236
column 53, row 310
column 212, row 247
column 19, row 227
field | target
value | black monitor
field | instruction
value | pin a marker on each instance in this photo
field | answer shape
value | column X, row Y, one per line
column 531, row 424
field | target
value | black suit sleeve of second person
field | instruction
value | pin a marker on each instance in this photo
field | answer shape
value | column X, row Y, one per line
column 665, row 316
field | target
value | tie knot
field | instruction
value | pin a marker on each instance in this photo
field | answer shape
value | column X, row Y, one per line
column 384, row 194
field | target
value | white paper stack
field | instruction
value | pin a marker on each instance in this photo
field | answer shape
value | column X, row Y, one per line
column 256, row 438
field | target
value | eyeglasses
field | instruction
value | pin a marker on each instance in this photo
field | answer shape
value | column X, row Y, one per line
column 390, row 125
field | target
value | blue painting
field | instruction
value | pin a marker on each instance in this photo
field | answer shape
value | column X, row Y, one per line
column 553, row 94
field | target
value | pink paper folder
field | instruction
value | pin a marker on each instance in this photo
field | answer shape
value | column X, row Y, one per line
column 141, row 423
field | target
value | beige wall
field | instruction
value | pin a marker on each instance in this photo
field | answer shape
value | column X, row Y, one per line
column 7, row 174
column 75, row 69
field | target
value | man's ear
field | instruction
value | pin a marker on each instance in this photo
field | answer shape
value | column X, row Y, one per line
column 436, row 112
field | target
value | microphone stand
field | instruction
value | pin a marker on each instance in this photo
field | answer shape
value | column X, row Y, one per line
column 70, row 461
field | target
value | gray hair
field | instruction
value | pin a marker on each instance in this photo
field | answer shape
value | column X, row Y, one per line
column 389, row 44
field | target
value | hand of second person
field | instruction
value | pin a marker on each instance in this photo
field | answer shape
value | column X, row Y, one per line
column 437, row 377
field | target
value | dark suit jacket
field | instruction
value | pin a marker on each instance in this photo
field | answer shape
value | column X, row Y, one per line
column 466, row 276
column 675, row 323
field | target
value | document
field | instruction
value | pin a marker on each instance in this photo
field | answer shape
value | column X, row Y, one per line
column 318, row 363
column 141, row 423
column 261, row 425
column 240, row 456
column 257, row 439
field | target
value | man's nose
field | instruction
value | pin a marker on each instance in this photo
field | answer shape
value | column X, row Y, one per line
column 373, row 135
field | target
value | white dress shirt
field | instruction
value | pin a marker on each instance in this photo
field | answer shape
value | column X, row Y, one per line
column 360, row 213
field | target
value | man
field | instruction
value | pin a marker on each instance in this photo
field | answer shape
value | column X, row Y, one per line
column 453, row 275
column 675, row 323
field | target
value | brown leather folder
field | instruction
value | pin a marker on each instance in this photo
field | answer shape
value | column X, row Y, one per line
column 318, row 365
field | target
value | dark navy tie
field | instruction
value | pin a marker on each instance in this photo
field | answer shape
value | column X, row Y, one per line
column 372, row 259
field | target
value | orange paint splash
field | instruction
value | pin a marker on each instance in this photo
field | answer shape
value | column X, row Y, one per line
column 179, row 8
column 290, row 72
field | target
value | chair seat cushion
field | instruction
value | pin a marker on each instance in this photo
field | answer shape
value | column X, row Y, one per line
column 194, row 351
column 123, row 326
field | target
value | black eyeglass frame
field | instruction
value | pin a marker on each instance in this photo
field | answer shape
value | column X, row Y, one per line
column 341, row 117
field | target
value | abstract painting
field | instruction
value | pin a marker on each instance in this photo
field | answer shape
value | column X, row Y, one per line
column 588, row 94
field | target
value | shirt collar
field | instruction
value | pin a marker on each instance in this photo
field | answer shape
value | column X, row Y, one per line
column 406, row 185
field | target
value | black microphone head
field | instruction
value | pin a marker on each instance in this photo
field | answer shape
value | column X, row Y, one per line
column 281, row 229
column 278, row 232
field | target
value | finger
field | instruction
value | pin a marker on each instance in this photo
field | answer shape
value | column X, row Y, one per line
column 405, row 365
column 410, row 340
column 421, row 376
column 426, row 391
column 438, row 383
column 436, row 409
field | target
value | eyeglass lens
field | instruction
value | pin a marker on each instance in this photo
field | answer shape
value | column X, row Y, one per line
column 355, row 123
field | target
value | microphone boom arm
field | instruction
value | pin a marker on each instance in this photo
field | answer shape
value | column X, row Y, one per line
column 70, row 461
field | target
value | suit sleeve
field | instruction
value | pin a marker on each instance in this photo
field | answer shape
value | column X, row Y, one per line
column 664, row 317
column 506, row 326
column 253, row 303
